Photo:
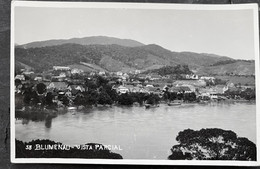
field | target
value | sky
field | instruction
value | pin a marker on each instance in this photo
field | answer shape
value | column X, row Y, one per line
column 222, row 32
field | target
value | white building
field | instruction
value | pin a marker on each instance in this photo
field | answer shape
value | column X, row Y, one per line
column 20, row 77
column 62, row 68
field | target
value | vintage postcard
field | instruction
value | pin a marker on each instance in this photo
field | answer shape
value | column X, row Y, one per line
column 134, row 83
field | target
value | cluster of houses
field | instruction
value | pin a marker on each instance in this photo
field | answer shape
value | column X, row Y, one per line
column 60, row 77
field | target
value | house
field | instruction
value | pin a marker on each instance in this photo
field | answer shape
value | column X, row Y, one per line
column 62, row 75
column 191, row 87
column 126, row 75
column 76, row 71
column 61, row 86
column 57, row 79
column 120, row 89
column 61, row 68
column 92, row 74
column 193, row 76
column 28, row 73
column 102, row 73
column 183, row 89
column 137, row 71
column 119, row 73
column 38, row 78
column 149, row 85
column 76, row 87
column 18, row 88
column 155, row 77
column 206, row 78
column 20, row 77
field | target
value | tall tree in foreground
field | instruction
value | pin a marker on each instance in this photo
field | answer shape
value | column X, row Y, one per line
column 212, row 144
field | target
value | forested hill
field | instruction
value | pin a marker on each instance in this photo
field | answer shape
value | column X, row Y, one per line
column 112, row 57
column 93, row 40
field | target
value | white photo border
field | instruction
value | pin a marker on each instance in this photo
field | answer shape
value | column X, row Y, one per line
column 114, row 5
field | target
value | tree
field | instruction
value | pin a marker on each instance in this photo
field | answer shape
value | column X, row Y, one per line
column 65, row 101
column 79, row 100
column 48, row 98
column 125, row 99
column 101, row 81
column 18, row 82
column 41, row 88
column 212, row 144
column 104, row 98
column 190, row 97
column 153, row 99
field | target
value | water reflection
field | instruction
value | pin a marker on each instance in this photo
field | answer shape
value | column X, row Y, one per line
column 48, row 121
column 25, row 121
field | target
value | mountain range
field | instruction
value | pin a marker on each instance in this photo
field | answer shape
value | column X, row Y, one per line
column 113, row 54
column 101, row 40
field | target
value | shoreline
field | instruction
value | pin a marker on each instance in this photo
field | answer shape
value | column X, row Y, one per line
column 80, row 107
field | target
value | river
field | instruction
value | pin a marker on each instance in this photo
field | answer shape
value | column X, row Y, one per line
column 141, row 133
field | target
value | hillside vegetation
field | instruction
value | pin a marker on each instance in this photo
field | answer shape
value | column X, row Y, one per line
column 113, row 54
column 101, row 40
column 111, row 57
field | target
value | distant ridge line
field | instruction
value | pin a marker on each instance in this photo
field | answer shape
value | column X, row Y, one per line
column 92, row 40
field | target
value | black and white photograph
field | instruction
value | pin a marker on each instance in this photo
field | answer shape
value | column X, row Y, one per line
column 134, row 83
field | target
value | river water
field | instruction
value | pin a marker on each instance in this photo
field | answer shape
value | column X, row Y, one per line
column 140, row 133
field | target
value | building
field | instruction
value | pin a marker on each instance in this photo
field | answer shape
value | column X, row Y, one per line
column 61, row 86
column 61, row 68
column 28, row 73
column 120, row 89
column 102, row 73
column 194, row 77
column 137, row 71
column 76, row 87
column 182, row 89
column 38, row 78
column 208, row 78
column 119, row 73
column 195, row 83
column 76, row 71
column 20, row 77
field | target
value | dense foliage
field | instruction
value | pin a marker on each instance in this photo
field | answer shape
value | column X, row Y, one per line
column 110, row 57
column 247, row 94
column 172, row 70
column 212, row 144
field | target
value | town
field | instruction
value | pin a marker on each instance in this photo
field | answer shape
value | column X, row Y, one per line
column 67, row 87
